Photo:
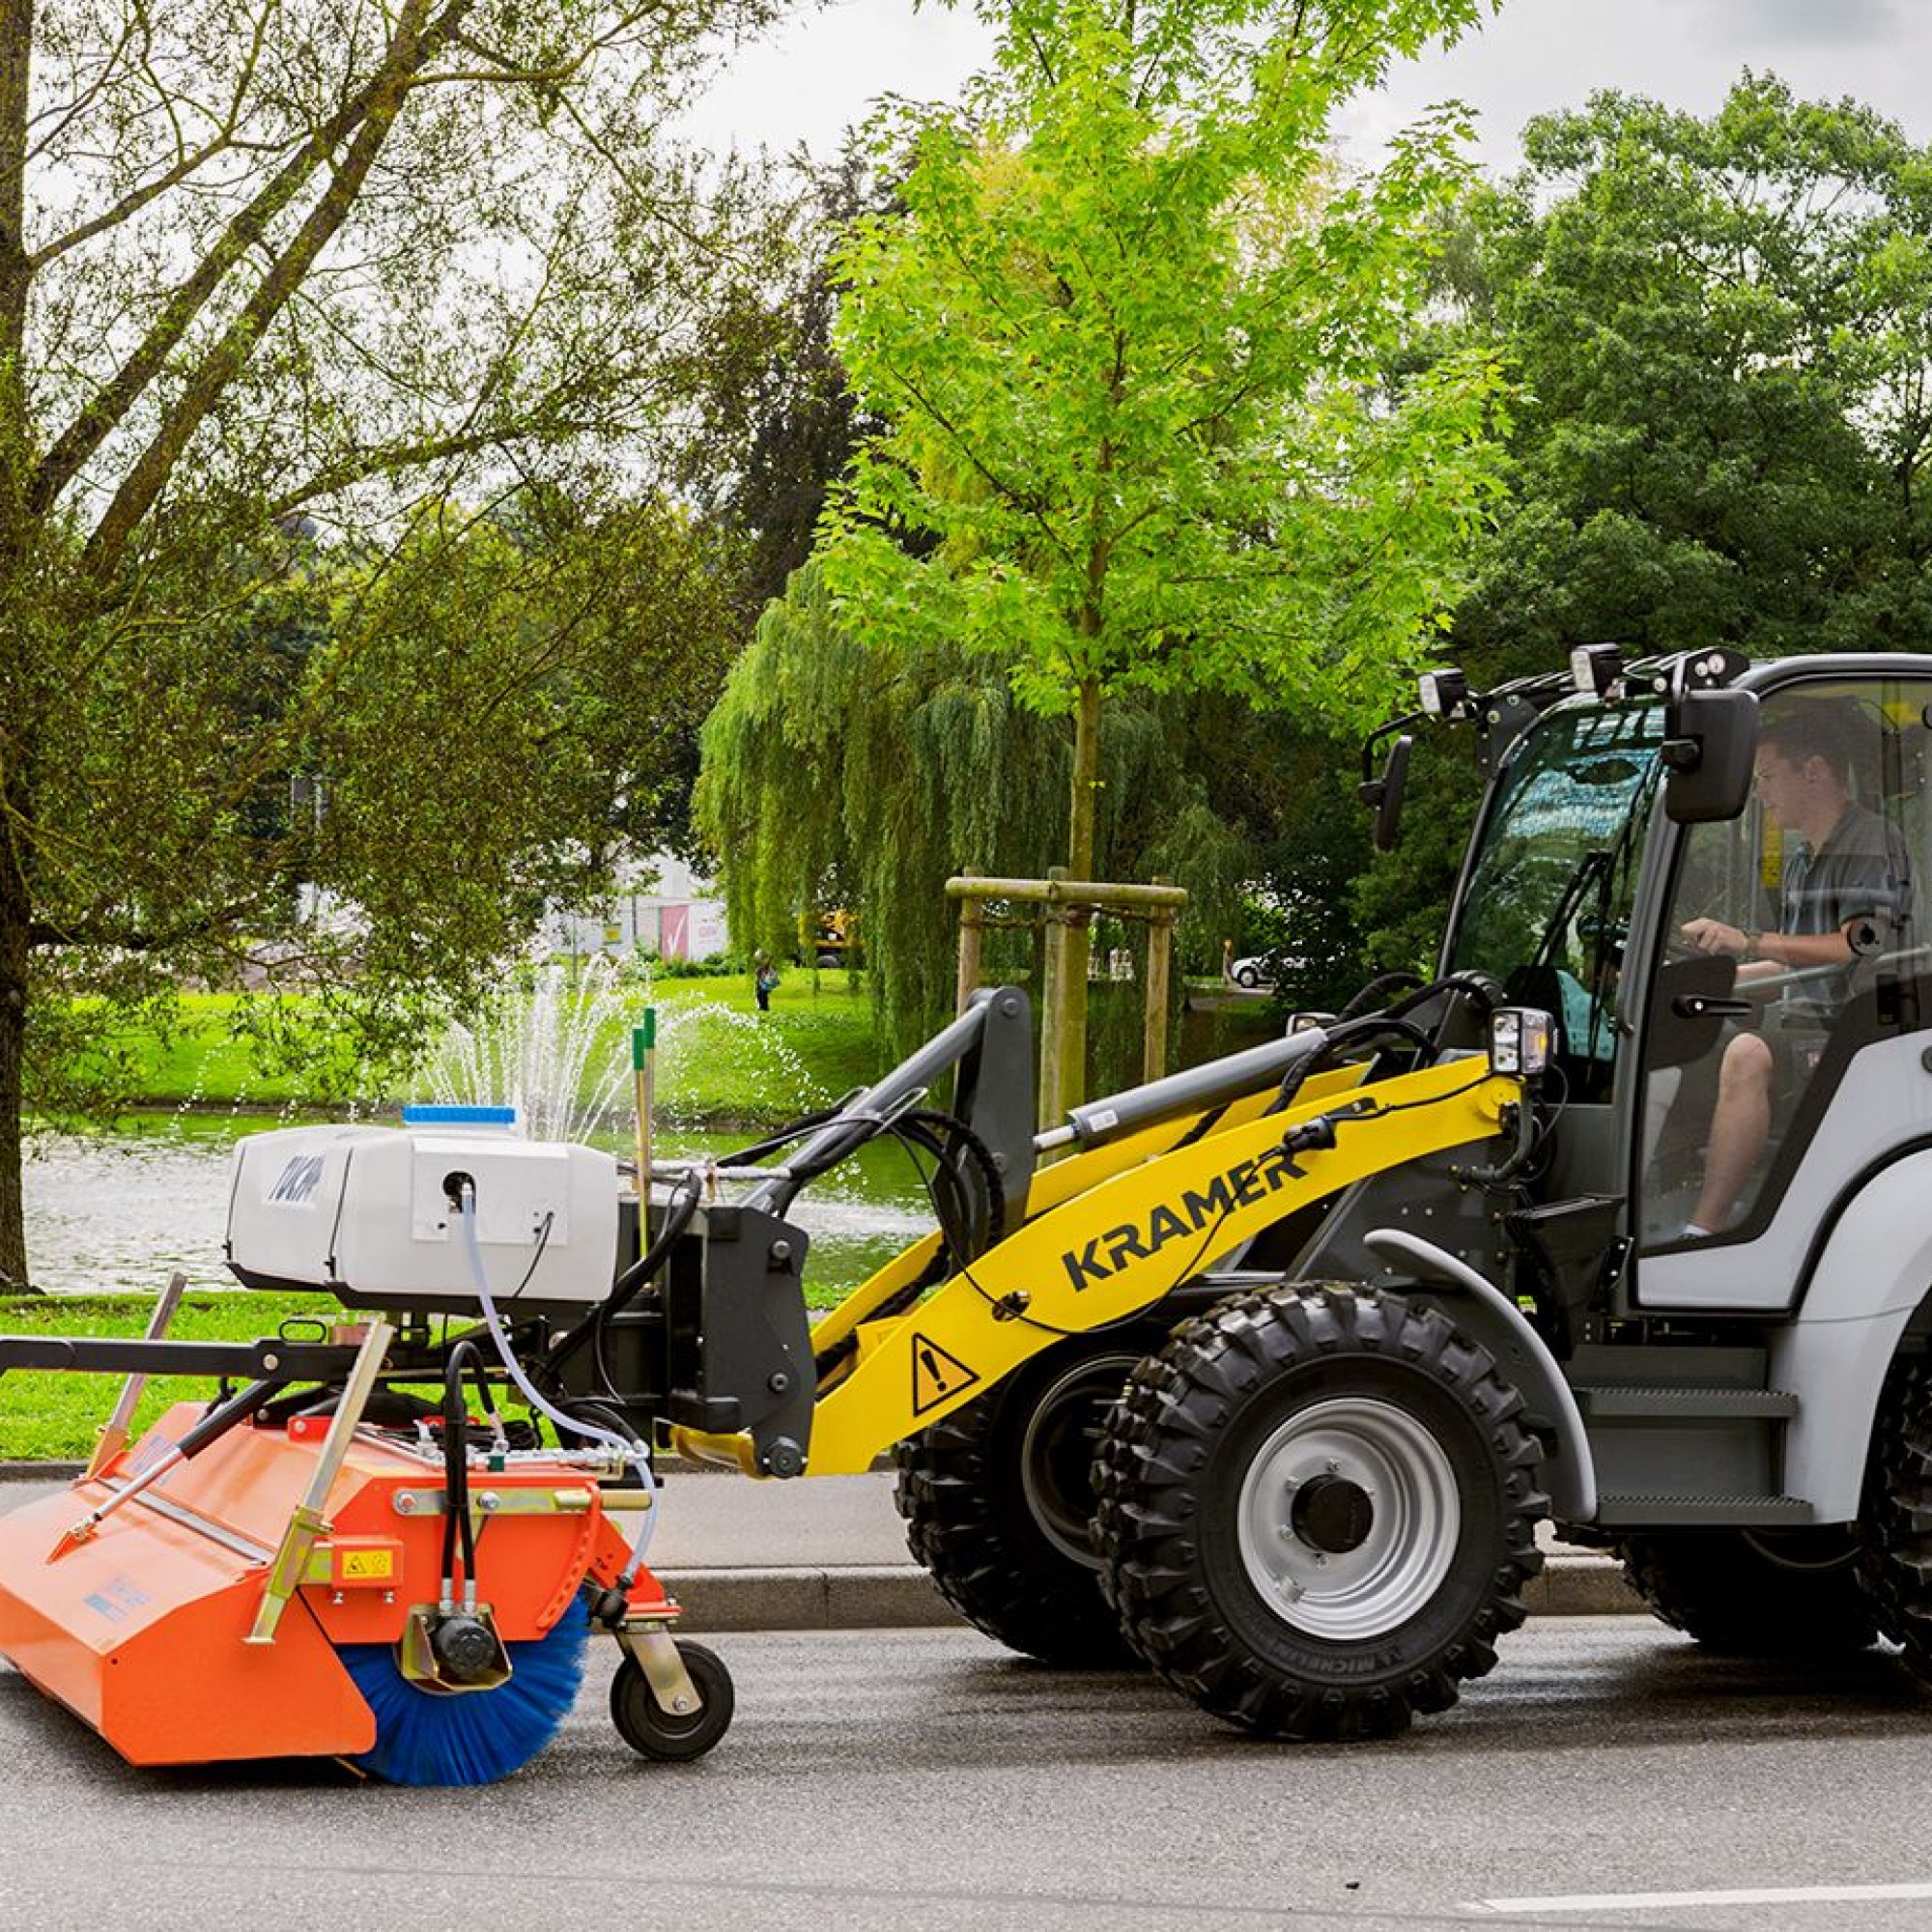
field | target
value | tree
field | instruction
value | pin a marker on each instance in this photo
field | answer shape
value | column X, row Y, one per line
column 835, row 773
column 269, row 266
column 779, row 419
column 1723, row 327
column 1722, row 330
column 1127, row 326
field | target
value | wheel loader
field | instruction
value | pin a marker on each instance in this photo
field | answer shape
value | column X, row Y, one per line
column 1266, row 1374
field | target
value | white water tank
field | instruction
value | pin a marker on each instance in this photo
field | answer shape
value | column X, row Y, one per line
column 368, row 1212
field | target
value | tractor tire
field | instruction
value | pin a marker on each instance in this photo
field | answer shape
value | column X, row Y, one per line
column 1317, row 1511
column 1896, row 1566
column 998, row 1497
column 1755, row 1593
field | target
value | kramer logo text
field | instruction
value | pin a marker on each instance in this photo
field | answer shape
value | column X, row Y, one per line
column 1244, row 1185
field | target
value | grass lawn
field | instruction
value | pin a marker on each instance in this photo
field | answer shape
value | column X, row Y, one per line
column 719, row 1060
column 50, row 1416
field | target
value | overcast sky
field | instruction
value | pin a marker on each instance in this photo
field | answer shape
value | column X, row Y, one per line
column 807, row 82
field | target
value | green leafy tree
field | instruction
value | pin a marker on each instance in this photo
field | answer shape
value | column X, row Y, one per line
column 1722, row 329
column 836, row 773
column 275, row 264
column 1127, row 326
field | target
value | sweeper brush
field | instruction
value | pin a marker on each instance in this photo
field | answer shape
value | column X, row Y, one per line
column 351, row 1553
column 220, row 1612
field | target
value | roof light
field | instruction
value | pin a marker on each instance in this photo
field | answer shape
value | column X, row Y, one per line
column 1595, row 668
column 1442, row 694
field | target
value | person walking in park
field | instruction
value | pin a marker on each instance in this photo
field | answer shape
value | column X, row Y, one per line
column 764, row 977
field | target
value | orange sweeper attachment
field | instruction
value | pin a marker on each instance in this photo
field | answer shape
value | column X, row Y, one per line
column 348, row 1551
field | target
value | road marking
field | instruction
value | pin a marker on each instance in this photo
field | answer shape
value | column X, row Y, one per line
column 1652, row 1901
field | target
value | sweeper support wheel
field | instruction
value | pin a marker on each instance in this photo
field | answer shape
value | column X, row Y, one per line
column 674, row 1736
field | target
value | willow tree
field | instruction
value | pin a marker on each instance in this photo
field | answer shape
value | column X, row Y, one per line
column 276, row 274
column 833, row 768
column 1127, row 327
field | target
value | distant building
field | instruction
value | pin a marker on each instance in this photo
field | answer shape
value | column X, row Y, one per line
column 677, row 914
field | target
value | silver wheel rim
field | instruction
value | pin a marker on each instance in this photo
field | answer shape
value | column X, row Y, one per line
column 1413, row 1519
column 1046, row 1445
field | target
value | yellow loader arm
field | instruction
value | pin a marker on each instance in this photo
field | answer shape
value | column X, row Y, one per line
column 1112, row 1233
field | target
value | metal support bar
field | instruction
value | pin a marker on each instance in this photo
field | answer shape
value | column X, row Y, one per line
column 911, row 1076
column 216, row 1423
column 128, row 1355
column 112, row 1437
column 657, row 1656
column 306, row 1522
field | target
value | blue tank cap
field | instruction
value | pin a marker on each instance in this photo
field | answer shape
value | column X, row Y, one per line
column 427, row 1113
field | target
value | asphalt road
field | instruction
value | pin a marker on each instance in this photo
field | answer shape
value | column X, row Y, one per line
column 923, row 1778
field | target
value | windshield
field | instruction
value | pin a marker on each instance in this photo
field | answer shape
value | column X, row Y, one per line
column 1548, row 901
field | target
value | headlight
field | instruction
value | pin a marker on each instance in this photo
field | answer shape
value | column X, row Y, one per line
column 1594, row 668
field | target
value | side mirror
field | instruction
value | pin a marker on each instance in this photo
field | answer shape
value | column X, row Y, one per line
column 1711, row 750
column 1383, row 795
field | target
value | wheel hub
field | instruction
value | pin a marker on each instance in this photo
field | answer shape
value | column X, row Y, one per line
column 1331, row 1514
column 1348, row 1518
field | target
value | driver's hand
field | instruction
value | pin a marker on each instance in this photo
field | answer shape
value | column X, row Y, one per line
column 1713, row 935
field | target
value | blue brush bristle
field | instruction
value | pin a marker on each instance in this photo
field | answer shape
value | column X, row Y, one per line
column 470, row 1736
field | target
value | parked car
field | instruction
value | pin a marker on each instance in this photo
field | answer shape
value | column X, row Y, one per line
column 1253, row 972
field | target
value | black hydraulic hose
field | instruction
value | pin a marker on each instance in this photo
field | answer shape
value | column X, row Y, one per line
column 958, row 1135
column 456, row 1464
column 1377, row 1026
column 1371, row 997
column 632, row 1283
column 224, row 1415
column 805, row 1123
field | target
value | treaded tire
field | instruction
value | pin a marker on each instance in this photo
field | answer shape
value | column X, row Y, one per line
column 998, row 1495
column 1317, row 1511
column 1744, row 1593
column 1896, row 1567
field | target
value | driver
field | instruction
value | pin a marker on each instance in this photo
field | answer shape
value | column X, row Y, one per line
column 1843, row 866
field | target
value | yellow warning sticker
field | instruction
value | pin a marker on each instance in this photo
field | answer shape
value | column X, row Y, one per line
column 937, row 1376
column 367, row 1566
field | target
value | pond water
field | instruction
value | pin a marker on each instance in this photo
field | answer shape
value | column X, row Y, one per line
column 121, row 1212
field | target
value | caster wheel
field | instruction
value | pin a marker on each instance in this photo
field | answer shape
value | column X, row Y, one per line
column 653, row 1732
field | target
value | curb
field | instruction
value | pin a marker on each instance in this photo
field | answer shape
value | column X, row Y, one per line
column 900, row 1596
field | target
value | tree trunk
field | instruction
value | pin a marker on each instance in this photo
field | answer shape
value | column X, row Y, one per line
column 17, row 40
column 12, row 1038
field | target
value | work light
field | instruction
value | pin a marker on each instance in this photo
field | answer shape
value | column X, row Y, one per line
column 1519, row 1039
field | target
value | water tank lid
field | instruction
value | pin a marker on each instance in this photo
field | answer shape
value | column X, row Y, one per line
column 428, row 1113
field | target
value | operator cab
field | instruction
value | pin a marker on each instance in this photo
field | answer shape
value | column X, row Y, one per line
column 1656, row 944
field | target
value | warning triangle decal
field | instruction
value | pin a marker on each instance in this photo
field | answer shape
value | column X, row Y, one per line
column 937, row 1376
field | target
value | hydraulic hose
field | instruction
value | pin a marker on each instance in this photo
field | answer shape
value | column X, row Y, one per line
column 632, row 1451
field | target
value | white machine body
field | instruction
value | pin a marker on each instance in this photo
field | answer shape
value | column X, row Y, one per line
column 368, row 1212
